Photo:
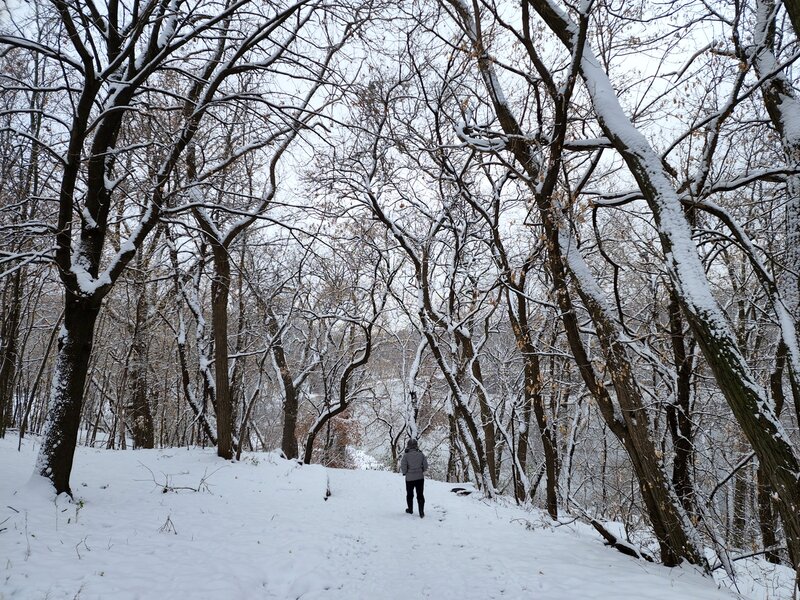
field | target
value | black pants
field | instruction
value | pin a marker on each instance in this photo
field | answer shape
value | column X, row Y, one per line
column 418, row 485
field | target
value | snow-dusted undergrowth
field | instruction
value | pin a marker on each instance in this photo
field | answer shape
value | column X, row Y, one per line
column 261, row 528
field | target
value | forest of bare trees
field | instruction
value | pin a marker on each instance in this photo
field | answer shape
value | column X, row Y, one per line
column 557, row 242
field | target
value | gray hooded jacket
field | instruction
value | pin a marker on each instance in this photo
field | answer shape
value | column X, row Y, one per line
column 413, row 464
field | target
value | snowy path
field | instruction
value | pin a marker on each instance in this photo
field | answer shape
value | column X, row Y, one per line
column 263, row 530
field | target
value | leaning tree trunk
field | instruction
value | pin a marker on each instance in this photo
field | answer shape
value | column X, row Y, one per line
column 670, row 523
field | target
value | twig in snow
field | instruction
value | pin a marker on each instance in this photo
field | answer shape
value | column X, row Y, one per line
column 83, row 541
column 168, row 526
column 166, row 485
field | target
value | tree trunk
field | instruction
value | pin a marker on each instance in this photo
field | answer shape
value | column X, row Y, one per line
column 521, row 451
column 343, row 399
column 9, row 332
column 534, row 399
column 290, row 396
column 197, row 407
column 69, row 379
column 471, row 361
column 671, row 527
column 710, row 328
column 739, row 515
column 142, row 416
column 766, row 518
column 680, row 425
column 533, row 395
column 452, row 454
column 783, row 107
column 220, row 287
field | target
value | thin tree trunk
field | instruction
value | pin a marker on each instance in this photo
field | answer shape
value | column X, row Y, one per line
column 11, row 300
column 343, row 399
column 142, row 416
column 680, row 424
column 220, row 289
column 534, row 399
column 23, row 427
column 290, row 395
column 471, row 361
column 452, row 455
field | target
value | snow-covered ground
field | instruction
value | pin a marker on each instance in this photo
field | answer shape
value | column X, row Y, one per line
column 262, row 528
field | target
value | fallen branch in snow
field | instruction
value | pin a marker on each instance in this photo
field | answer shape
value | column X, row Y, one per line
column 621, row 545
column 166, row 485
column 611, row 540
column 774, row 548
column 525, row 523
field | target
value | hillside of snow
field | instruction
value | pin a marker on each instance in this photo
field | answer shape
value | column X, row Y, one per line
column 181, row 523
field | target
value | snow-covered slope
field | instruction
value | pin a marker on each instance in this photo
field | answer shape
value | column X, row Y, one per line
column 261, row 528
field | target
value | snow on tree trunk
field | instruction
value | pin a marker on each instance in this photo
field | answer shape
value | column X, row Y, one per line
column 66, row 397
column 290, row 394
column 783, row 107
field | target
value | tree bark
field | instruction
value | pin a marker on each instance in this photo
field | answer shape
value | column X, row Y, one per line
column 534, row 399
column 220, row 288
column 290, row 395
column 766, row 518
column 680, row 425
column 142, row 416
column 452, row 454
column 745, row 396
column 9, row 332
column 69, row 380
column 471, row 361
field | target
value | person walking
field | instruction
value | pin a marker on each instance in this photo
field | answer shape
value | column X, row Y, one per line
column 413, row 465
